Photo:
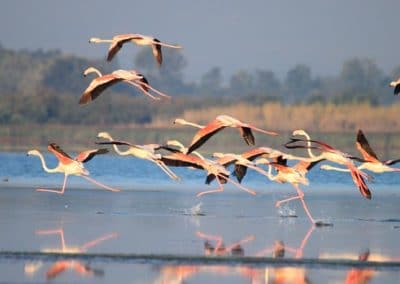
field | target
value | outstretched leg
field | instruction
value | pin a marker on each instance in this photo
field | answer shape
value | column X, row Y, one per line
column 95, row 242
column 137, row 85
column 167, row 170
column 54, row 190
column 240, row 186
column 300, row 194
column 100, row 184
column 219, row 189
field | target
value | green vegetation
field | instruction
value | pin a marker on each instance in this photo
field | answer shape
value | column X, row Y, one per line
column 43, row 88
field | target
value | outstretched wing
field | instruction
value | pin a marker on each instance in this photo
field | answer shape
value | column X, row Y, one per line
column 117, row 43
column 247, row 135
column 156, row 48
column 87, row 155
column 364, row 148
column 97, row 86
column 205, row 133
column 59, row 153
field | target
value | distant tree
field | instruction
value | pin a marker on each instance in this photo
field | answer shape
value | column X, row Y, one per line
column 298, row 82
column 211, row 81
column 241, row 83
column 266, row 83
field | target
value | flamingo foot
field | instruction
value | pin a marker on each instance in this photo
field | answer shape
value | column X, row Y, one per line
column 50, row 190
column 209, row 191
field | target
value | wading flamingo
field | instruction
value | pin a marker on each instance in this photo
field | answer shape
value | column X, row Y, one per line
column 146, row 152
column 396, row 85
column 99, row 84
column 213, row 169
column 334, row 155
column 219, row 123
column 118, row 41
column 372, row 163
column 70, row 166
column 294, row 175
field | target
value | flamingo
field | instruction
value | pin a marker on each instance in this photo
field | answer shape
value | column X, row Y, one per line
column 146, row 152
column 294, row 175
column 396, row 85
column 219, row 123
column 132, row 77
column 240, row 169
column 213, row 169
column 118, row 41
column 372, row 163
column 70, row 166
column 336, row 156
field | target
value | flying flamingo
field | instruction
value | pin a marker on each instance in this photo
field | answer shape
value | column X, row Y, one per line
column 99, row 84
column 118, row 41
column 294, row 175
column 336, row 156
column 219, row 123
column 146, row 152
column 396, row 85
column 213, row 169
column 372, row 163
column 70, row 166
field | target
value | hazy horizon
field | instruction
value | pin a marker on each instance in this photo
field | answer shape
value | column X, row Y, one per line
column 233, row 35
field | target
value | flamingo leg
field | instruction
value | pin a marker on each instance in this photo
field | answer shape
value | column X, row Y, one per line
column 100, row 184
column 300, row 194
column 155, row 90
column 137, row 85
column 219, row 189
column 97, row 241
column 240, row 186
column 167, row 170
column 264, row 131
column 55, row 190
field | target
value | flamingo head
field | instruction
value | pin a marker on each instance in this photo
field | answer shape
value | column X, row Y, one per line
column 94, row 40
column 33, row 153
column 393, row 84
column 180, row 121
column 175, row 143
column 104, row 135
column 299, row 132
column 218, row 155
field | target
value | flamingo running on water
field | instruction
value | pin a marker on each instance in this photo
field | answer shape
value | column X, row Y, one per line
column 132, row 77
column 372, row 163
column 334, row 155
column 118, row 41
column 146, row 152
column 216, row 125
column 70, row 166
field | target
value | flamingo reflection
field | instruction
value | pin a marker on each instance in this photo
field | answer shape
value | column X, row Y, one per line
column 60, row 266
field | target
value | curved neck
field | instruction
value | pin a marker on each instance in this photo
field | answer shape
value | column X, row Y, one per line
column 310, row 153
column 92, row 70
column 270, row 176
column 44, row 164
column 119, row 152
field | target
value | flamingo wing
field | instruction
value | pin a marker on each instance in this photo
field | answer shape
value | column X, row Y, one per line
column 240, row 172
column 59, row 153
column 144, row 84
column 211, row 177
column 396, row 89
column 156, row 48
column 247, row 135
column 117, row 43
column 391, row 162
column 179, row 159
column 87, row 155
column 205, row 133
column 115, row 142
column 304, row 166
column 256, row 152
column 365, row 149
column 97, row 86
column 359, row 181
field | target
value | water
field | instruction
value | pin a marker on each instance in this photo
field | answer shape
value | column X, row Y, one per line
column 156, row 217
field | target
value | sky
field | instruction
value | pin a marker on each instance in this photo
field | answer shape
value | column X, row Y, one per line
column 231, row 34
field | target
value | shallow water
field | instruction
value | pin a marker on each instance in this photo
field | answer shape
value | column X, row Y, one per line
column 152, row 216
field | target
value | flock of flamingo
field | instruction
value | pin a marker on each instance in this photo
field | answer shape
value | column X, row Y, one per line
column 174, row 154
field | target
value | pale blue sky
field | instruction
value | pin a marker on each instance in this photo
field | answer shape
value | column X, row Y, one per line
column 232, row 34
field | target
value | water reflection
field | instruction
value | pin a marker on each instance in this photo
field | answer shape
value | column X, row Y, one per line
column 60, row 266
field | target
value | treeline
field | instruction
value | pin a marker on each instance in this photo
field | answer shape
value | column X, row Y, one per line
column 44, row 87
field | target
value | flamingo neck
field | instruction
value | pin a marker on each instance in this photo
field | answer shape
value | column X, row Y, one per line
column 193, row 124
column 270, row 176
column 310, row 153
column 45, row 166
